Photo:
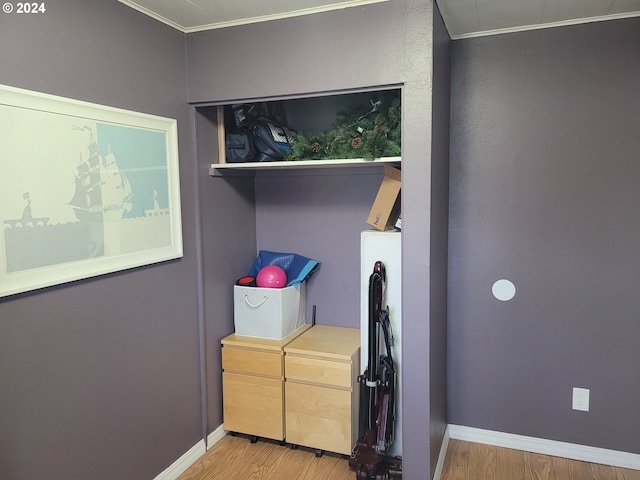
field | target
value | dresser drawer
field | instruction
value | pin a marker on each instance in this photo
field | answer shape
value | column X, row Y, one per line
column 318, row 371
column 252, row 361
column 253, row 405
column 320, row 417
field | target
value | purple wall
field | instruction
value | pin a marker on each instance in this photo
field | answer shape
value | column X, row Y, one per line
column 544, row 192
column 439, row 234
column 321, row 216
column 100, row 378
column 389, row 43
column 227, row 232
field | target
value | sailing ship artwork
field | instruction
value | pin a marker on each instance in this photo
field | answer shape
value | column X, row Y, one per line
column 79, row 193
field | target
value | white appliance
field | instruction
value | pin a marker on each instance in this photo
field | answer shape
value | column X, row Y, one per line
column 386, row 247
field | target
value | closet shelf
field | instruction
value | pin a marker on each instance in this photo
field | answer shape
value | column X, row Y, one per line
column 250, row 168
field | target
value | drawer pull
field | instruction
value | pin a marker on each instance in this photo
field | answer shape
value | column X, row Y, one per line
column 255, row 305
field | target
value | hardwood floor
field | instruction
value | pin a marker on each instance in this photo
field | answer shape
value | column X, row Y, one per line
column 235, row 458
column 475, row 461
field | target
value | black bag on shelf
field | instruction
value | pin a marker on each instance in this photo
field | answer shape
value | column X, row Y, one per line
column 271, row 141
column 239, row 148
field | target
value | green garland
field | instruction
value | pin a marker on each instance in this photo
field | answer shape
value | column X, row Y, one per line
column 363, row 131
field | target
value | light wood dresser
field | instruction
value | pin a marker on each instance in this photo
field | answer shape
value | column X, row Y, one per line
column 253, row 384
column 321, row 388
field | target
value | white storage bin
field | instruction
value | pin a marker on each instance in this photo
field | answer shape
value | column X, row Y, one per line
column 268, row 312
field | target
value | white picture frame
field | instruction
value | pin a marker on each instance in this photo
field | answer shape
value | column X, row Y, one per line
column 85, row 190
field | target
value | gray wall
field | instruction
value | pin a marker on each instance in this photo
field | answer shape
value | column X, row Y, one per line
column 544, row 192
column 389, row 43
column 100, row 378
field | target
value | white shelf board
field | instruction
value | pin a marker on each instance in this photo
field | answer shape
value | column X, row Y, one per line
column 249, row 168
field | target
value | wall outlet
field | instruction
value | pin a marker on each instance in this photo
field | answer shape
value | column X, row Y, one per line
column 581, row 399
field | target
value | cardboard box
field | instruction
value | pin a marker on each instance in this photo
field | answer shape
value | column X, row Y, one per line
column 386, row 207
column 268, row 312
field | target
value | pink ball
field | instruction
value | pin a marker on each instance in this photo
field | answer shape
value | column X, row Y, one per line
column 271, row 276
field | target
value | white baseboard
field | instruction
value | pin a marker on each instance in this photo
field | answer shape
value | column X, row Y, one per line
column 442, row 455
column 178, row 467
column 547, row 447
column 215, row 436
column 181, row 465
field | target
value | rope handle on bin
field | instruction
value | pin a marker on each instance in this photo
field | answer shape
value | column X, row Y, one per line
column 255, row 305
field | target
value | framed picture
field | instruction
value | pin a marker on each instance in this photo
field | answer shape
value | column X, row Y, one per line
column 85, row 190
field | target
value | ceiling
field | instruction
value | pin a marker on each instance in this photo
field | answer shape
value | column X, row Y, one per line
column 472, row 18
column 463, row 18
